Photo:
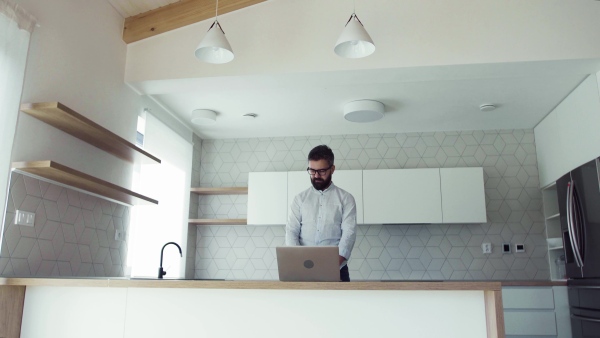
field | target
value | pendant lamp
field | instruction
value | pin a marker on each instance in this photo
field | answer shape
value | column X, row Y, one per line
column 214, row 48
column 354, row 42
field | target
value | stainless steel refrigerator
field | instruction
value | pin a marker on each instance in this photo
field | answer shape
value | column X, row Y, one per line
column 579, row 204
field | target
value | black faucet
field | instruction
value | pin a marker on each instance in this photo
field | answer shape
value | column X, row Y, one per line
column 162, row 272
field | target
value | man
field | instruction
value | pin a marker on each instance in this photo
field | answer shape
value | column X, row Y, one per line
column 323, row 214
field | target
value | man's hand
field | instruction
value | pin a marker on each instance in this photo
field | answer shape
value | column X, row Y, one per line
column 342, row 259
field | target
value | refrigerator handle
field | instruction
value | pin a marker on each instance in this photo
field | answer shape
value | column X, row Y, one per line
column 586, row 319
column 580, row 224
column 598, row 171
column 570, row 226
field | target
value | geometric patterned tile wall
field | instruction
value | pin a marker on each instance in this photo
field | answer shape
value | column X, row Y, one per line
column 73, row 233
column 435, row 251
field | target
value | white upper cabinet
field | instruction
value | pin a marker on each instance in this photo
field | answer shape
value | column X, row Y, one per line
column 349, row 180
column 298, row 181
column 352, row 182
column 548, row 147
column 568, row 137
column 463, row 195
column 402, row 196
column 389, row 196
column 267, row 198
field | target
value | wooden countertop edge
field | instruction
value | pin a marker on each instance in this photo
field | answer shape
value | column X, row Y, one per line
column 55, row 282
column 263, row 285
column 275, row 285
column 534, row 283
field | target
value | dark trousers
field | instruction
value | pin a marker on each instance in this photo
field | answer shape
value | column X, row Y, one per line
column 344, row 274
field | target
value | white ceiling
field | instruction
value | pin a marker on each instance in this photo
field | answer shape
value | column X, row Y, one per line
column 417, row 99
column 129, row 8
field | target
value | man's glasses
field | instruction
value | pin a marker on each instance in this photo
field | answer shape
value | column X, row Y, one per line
column 321, row 172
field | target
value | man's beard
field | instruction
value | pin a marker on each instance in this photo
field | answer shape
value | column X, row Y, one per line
column 319, row 183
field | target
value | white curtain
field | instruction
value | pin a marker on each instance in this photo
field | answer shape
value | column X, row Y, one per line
column 169, row 182
column 15, row 30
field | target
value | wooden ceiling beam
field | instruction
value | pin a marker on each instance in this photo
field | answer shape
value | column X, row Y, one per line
column 177, row 15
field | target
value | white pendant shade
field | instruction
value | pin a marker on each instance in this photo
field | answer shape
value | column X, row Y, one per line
column 204, row 117
column 214, row 48
column 354, row 42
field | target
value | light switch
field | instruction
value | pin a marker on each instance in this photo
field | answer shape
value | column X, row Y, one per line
column 24, row 218
column 120, row 235
column 486, row 248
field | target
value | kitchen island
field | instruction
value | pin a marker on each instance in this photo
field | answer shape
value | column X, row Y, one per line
column 194, row 308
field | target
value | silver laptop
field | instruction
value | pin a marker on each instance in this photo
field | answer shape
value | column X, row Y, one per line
column 308, row 263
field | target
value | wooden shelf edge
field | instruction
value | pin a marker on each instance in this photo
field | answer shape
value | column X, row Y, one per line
column 56, row 172
column 221, row 191
column 66, row 119
column 220, row 221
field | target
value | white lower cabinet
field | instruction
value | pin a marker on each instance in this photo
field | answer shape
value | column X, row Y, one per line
column 463, row 195
column 267, row 198
column 402, row 196
column 536, row 311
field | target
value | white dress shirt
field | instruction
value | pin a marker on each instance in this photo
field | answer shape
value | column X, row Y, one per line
column 319, row 218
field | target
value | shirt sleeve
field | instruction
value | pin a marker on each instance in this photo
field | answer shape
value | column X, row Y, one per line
column 348, row 227
column 292, row 228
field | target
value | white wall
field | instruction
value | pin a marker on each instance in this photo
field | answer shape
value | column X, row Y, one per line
column 77, row 57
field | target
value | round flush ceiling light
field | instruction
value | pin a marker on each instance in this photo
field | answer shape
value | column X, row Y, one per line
column 204, row 117
column 363, row 111
column 487, row 107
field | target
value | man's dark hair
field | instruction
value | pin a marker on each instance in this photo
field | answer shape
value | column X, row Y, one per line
column 321, row 152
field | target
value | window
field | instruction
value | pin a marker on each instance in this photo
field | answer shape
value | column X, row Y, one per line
column 169, row 182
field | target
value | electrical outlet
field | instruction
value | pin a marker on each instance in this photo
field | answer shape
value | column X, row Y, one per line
column 120, row 235
column 519, row 247
column 486, row 248
column 24, row 218
column 505, row 248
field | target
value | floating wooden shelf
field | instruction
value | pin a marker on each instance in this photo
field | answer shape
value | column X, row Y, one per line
column 75, row 124
column 221, row 191
column 67, row 176
column 230, row 221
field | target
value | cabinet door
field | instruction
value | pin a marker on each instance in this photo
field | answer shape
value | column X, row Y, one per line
column 579, row 120
column 568, row 137
column 349, row 180
column 529, row 311
column 463, row 195
column 549, row 150
column 402, row 196
column 267, row 198
column 298, row 181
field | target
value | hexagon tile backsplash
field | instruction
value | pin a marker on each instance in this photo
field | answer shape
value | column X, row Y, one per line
column 388, row 252
column 73, row 234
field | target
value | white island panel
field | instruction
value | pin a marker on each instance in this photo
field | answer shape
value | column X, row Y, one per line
column 304, row 313
column 73, row 312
